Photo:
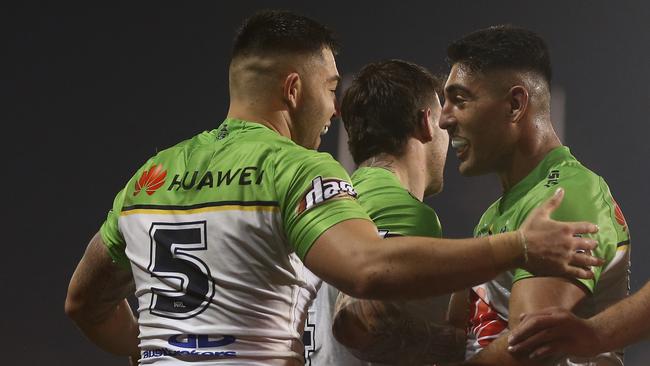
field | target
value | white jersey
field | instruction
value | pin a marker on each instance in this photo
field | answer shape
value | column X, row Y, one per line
column 321, row 349
column 214, row 230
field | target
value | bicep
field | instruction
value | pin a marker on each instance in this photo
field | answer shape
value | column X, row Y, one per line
column 536, row 293
column 340, row 253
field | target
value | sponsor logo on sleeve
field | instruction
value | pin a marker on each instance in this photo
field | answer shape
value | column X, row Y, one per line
column 323, row 190
column 151, row 180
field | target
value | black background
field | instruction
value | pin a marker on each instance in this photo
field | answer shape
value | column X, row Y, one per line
column 91, row 91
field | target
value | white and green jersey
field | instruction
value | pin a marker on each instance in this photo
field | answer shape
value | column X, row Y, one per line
column 587, row 198
column 214, row 230
column 396, row 213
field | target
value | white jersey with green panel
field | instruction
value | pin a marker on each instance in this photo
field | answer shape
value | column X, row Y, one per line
column 396, row 213
column 587, row 198
column 214, row 230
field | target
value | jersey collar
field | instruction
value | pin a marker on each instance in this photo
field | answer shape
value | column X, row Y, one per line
column 233, row 124
column 553, row 158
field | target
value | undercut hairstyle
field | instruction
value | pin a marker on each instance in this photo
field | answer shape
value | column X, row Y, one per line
column 383, row 106
column 269, row 32
column 502, row 47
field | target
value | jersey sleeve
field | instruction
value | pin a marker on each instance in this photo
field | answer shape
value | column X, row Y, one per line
column 110, row 232
column 588, row 201
column 315, row 194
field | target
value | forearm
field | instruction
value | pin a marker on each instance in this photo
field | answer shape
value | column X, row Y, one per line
column 625, row 322
column 378, row 331
column 96, row 301
column 405, row 268
column 116, row 331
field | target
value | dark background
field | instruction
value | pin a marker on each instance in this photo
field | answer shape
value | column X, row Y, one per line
column 91, row 91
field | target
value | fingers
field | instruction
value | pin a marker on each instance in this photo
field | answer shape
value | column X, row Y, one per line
column 547, row 350
column 583, row 228
column 533, row 324
column 584, row 260
column 531, row 344
column 580, row 273
column 554, row 202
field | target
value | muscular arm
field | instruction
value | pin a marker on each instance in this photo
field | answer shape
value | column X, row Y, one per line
column 554, row 331
column 351, row 257
column 528, row 295
column 96, row 301
column 382, row 331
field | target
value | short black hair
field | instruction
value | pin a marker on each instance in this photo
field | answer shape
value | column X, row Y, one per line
column 382, row 106
column 280, row 31
column 502, row 47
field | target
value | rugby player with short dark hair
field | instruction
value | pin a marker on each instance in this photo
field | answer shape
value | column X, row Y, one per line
column 497, row 112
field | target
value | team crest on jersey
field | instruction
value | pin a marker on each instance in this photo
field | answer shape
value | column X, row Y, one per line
column 619, row 215
column 151, row 180
column 323, row 190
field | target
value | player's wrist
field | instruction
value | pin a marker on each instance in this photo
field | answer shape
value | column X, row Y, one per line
column 509, row 249
column 599, row 335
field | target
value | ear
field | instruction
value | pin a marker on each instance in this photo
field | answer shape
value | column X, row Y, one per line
column 292, row 89
column 424, row 127
column 518, row 102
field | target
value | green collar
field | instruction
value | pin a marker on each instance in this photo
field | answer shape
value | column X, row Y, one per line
column 236, row 124
column 553, row 158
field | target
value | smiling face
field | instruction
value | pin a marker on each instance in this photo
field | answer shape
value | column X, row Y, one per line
column 476, row 115
column 317, row 105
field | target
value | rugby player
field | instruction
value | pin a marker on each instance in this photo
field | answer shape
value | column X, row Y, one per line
column 391, row 114
column 497, row 112
column 212, row 233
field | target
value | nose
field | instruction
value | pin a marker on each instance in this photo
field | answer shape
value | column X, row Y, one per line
column 447, row 119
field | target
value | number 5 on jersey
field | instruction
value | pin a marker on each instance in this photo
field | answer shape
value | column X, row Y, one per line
column 186, row 284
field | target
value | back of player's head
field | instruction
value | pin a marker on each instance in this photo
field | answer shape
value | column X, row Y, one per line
column 382, row 107
column 502, row 47
column 270, row 32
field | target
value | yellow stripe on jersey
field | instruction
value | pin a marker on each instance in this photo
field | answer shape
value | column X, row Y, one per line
column 154, row 211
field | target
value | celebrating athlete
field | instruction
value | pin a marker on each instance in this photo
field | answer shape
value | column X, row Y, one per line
column 497, row 112
column 212, row 233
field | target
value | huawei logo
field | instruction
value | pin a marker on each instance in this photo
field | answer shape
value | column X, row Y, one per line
column 151, row 180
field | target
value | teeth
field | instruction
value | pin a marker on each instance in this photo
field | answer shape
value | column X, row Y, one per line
column 325, row 129
column 458, row 142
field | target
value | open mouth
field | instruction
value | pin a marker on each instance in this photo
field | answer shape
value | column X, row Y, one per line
column 459, row 144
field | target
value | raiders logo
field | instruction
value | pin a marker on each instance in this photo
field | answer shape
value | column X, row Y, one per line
column 322, row 190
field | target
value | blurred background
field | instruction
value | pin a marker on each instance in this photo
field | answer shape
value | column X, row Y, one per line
column 91, row 90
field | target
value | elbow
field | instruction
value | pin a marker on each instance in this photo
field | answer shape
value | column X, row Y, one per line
column 76, row 307
column 368, row 283
column 73, row 308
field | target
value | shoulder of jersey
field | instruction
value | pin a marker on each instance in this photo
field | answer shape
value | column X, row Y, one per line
column 572, row 176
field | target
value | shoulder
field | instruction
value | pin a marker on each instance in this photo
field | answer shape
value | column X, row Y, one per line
column 581, row 185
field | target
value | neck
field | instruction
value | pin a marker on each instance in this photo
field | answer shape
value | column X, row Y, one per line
column 408, row 167
column 274, row 118
column 529, row 152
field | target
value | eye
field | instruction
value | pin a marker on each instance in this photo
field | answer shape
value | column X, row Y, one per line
column 458, row 100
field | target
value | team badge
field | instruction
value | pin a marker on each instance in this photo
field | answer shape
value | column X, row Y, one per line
column 619, row 215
